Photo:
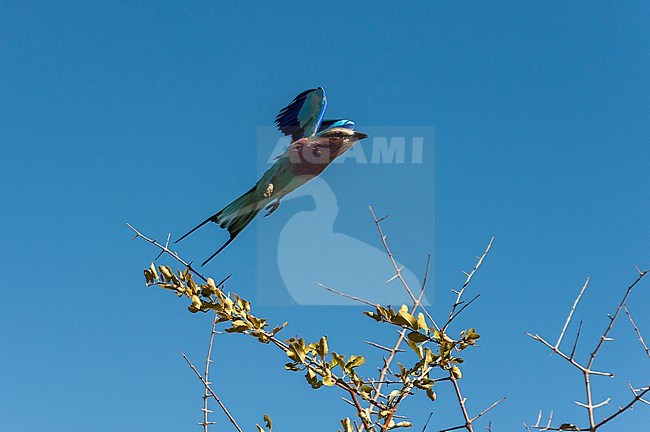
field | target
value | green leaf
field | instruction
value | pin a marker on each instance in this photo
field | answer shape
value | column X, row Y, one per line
column 365, row 391
column 313, row 380
column 404, row 318
column 422, row 324
column 166, row 272
column 417, row 337
column 321, row 348
column 297, row 350
column 372, row 315
column 416, row 349
column 238, row 326
column 337, row 360
column 292, row 367
column 383, row 414
column 228, row 306
column 327, row 379
column 429, row 357
column 354, row 361
column 278, row 328
column 392, row 395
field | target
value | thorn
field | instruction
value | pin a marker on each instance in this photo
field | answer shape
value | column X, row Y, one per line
column 393, row 278
column 641, row 272
column 382, row 218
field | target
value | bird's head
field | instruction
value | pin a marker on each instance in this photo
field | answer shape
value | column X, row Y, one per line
column 332, row 143
column 343, row 134
column 340, row 139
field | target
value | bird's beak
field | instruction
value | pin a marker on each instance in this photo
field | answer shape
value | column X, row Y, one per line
column 360, row 135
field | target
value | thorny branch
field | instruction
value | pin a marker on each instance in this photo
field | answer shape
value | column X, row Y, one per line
column 638, row 333
column 586, row 369
column 459, row 293
column 476, row 417
column 164, row 249
column 416, row 303
column 206, row 375
column 310, row 364
column 353, row 387
column 568, row 318
column 212, row 393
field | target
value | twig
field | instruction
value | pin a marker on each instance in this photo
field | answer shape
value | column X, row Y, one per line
column 604, row 337
column 638, row 333
column 416, row 303
column 424, row 286
column 360, row 410
column 212, row 393
column 634, row 392
column 165, row 249
column 342, row 294
column 539, row 419
column 398, row 269
column 381, row 347
column 465, row 305
column 638, row 397
column 206, row 375
column 169, row 237
column 594, row 353
column 573, row 308
column 575, row 342
column 477, row 416
column 461, row 403
column 459, row 293
column 424, row 429
column 587, row 370
column 566, row 357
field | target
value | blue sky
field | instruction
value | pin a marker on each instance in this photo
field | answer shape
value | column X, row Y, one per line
column 148, row 113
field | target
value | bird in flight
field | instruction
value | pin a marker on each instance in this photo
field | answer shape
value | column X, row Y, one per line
column 315, row 143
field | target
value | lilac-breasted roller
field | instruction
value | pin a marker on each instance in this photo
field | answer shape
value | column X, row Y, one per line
column 315, row 144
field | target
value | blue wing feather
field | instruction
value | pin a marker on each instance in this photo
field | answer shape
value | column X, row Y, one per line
column 303, row 116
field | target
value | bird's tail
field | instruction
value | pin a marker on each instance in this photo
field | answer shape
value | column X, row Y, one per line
column 234, row 217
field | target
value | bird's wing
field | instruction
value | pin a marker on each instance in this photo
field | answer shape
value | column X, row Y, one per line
column 303, row 116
